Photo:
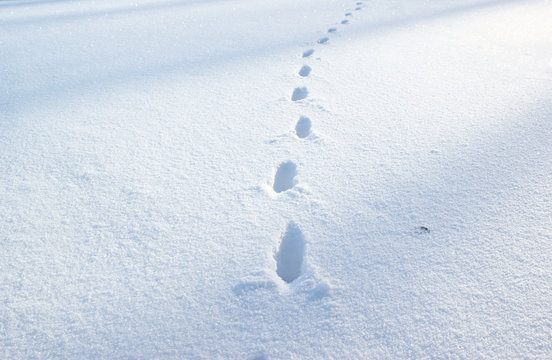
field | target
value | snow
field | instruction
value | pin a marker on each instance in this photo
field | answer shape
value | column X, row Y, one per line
column 275, row 179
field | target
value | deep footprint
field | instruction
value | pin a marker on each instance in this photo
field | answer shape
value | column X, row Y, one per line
column 289, row 258
column 285, row 176
column 345, row 21
column 305, row 70
column 303, row 127
column 299, row 94
column 332, row 30
column 323, row 40
column 308, row 53
column 348, row 14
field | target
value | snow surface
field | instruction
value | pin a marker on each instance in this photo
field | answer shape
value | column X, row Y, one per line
column 275, row 179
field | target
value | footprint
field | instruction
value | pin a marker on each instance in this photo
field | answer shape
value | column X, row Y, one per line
column 303, row 127
column 289, row 258
column 299, row 93
column 308, row 53
column 285, row 176
column 345, row 21
column 359, row 3
column 358, row 8
column 323, row 40
column 305, row 70
column 332, row 30
column 348, row 14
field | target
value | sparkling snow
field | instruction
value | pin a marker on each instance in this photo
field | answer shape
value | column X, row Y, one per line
column 255, row 179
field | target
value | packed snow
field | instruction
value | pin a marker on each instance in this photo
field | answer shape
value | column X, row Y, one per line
column 261, row 179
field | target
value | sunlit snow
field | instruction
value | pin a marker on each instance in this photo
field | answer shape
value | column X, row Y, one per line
column 262, row 179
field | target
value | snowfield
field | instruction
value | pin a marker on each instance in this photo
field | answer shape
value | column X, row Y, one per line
column 275, row 179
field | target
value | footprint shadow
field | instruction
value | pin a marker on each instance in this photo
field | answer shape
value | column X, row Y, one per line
column 299, row 93
column 284, row 179
column 305, row 71
column 323, row 40
column 308, row 53
column 289, row 258
column 303, row 127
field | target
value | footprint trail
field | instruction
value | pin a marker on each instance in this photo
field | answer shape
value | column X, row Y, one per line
column 291, row 250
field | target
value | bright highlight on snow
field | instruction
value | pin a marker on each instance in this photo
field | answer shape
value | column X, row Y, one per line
column 317, row 179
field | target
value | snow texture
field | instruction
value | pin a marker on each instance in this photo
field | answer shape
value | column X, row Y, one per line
column 255, row 179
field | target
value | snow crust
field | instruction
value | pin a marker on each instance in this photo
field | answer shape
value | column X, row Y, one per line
column 275, row 179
